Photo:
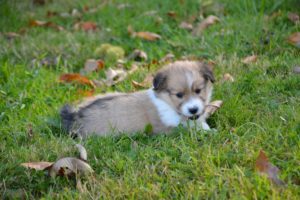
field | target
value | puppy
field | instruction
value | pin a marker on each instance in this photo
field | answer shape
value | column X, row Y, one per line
column 180, row 92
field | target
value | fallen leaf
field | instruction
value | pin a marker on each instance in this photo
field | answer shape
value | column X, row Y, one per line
column 228, row 77
column 114, row 76
column 186, row 26
column 138, row 55
column 51, row 13
column 168, row 58
column 82, row 152
column 11, row 35
column 37, row 165
column 249, row 59
column 149, row 36
column 76, row 78
column 86, row 26
column 66, row 166
column 264, row 167
column 92, row 65
column 69, row 166
column 293, row 17
column 89, row 26
column 172, row 14
column 212, row 107
column 296, row 70
column 38, row 23
column 207, row 22
column 146, row 83
column 295, row 39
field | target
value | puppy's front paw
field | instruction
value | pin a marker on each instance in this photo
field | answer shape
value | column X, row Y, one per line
column 205, row 126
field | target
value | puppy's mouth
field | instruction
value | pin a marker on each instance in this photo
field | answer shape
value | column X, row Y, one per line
column 194, row 117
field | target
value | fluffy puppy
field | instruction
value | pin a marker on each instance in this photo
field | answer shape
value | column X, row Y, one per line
column 180, row 92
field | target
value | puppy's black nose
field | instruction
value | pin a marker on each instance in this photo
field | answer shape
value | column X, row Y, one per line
column 193, row 110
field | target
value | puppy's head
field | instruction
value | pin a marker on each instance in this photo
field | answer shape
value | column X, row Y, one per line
column 186, row 86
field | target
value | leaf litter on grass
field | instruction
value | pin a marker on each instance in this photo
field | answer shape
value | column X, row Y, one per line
column 264, row 167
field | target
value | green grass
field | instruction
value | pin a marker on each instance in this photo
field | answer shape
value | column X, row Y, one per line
column 261, row 108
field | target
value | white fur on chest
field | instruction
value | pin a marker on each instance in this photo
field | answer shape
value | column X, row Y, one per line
column 167, row 114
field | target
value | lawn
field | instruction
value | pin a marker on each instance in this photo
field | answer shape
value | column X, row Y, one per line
column 261, row 109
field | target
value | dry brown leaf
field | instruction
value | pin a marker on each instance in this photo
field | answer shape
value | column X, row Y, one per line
column 295, row 39
column 38, row 23
column 264, row 167
column 212, row 107
column 149, row 36
column 138, row 55
column 82, row 152
column 114, row 76
column 210, row 20
column 89, row 26
column 228, row 77
column 76, row 78
column 86, row 26
column 65, row 166
column 168, row 58
column 11, row 35
column 92, row 65
column 172, row 14
column 146, row 83
column 69, row 166
column 293, row 17
column 249, row 59
column 186, row 25
column 37, row 165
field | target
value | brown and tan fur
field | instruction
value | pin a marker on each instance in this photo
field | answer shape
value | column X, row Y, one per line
column 159, row 106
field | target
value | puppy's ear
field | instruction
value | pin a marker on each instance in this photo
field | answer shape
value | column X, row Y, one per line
column 160, row 81
column 207, row 72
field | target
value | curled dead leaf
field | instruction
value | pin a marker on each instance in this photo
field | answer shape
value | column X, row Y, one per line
column 114, row 76
column 172, row 14
column 38, row 23
column 228, row 77
column 264, row 167
column 138, row 55
column 293, row 17
column 146, row 83
column 92, row 65
column 294, row 39
column 207, row 22
column 249, row 59
column 86, row 26
column 186, row 26
column 149, row 36
column 82, row 152
column 212, row 107
column 11, row 35
column 69, row 166
column 76, row 78
column 168, row 58
column 37, row 165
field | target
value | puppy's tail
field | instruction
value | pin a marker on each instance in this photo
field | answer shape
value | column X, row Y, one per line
column 68, row 117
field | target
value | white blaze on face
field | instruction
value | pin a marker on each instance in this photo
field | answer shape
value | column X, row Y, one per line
column 192, row 103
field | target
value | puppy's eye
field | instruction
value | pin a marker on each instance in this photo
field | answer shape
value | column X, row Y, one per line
column 180, row 94
column 197, row 91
